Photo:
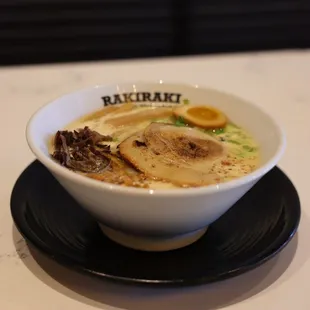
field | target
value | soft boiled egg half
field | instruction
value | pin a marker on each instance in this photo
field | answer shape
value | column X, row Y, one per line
column 201, row 116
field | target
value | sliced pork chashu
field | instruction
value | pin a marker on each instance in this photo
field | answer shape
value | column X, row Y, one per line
column 180, row 155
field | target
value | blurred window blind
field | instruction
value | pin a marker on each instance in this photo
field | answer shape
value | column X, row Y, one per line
column 38, row 31
column 236, row 25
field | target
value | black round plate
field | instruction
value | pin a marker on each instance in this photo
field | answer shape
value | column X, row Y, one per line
column 250, row 233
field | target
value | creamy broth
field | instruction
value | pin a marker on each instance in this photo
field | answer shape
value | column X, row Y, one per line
column 239, row 153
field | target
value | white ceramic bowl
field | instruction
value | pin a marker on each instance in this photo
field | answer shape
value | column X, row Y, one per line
column 154, row 219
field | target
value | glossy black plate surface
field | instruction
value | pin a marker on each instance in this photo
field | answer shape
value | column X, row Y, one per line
column 250, row 233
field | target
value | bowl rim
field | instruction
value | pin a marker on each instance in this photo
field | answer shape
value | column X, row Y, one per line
column 54, row 167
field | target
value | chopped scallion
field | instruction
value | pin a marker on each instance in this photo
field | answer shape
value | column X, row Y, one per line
column 180, row 122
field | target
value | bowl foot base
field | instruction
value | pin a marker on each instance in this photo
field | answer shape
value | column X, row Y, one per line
column 152, row 244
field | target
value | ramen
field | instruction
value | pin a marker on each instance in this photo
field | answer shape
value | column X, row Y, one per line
column 156, row 147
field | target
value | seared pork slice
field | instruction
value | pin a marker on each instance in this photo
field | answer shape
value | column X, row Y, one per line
column 180, row 155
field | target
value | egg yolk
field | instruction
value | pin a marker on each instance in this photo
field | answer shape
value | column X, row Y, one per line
column 202, row 113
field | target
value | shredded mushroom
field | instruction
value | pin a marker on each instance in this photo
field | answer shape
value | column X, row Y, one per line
column 81, row 150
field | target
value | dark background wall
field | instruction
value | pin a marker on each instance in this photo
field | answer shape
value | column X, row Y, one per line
column 40, row 31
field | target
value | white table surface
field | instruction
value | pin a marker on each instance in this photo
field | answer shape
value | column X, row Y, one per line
column 278, row 81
